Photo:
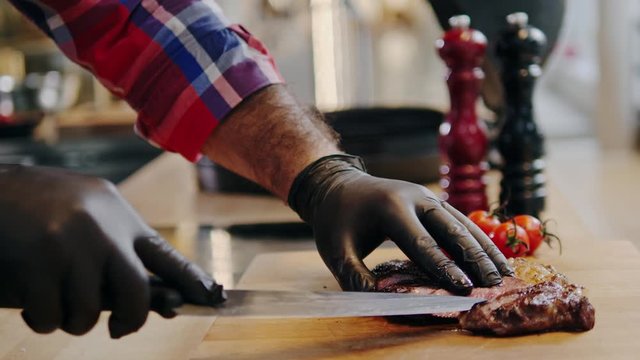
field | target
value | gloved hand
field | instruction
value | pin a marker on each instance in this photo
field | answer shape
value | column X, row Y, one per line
column 70, row 246
column 352, row 213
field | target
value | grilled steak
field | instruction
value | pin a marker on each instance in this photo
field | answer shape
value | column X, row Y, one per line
column 400, row 276
column 547, row 306
column 538, row 300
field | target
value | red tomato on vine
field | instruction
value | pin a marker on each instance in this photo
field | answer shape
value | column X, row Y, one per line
column 486, row 222
column 536, row 230
column 511, row 239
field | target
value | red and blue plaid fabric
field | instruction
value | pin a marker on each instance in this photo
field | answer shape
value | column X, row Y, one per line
column 179, row 63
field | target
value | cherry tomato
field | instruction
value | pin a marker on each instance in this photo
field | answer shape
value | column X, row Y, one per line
column 511, row 239
column 485, row 221
column 535, row 231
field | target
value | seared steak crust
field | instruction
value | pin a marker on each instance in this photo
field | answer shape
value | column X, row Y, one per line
column 547, row 306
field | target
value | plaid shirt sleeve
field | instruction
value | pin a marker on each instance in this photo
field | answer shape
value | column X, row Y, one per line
column 179, row 63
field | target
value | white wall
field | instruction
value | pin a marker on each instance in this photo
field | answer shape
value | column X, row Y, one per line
column 618, row 96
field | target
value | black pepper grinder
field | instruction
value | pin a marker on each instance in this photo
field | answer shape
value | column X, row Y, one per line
column 519, row 48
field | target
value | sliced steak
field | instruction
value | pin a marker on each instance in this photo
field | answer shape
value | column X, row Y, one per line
column 403, row 276
column 547, row 306
column 543, row 301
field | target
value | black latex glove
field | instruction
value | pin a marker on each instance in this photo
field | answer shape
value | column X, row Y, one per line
column 352, row 213
column 71, row 246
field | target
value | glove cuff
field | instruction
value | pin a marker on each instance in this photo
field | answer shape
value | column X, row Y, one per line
column 312, row 183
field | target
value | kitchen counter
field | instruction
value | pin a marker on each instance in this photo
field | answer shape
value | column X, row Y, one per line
column 166, row 194
column 609, row 271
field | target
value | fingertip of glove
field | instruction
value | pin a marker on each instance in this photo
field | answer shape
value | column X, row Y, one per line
column 118, row 329
column 203, row 291
column 368, row 284
column 125, row 324
column 216, row 294
column 39, row 327
column 507, row 270
column 168, row 314
column 211, row 294
column 458, row 283
column 359, row 282
column 461, row 290
column 492, row 278
column 164, row 301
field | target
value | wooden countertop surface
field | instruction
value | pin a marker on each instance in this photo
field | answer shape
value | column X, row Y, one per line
column 610, row 272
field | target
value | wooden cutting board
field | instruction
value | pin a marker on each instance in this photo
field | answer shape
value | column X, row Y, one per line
column 609, row 270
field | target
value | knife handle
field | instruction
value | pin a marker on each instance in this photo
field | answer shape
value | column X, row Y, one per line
column 164, row 299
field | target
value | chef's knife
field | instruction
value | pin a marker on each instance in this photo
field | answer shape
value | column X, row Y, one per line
column 312, row 304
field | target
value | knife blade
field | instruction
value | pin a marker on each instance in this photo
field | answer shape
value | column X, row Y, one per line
column 314, row 304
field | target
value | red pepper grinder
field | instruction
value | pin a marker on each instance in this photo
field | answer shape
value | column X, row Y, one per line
column 463, row 139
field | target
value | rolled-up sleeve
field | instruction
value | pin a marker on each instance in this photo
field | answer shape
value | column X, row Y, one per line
column 179, row 63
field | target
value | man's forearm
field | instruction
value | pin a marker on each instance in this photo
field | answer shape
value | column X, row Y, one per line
column 269, row 139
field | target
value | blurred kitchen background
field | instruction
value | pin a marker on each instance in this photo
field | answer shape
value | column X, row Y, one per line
column 354, row 54
column 371, row 53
